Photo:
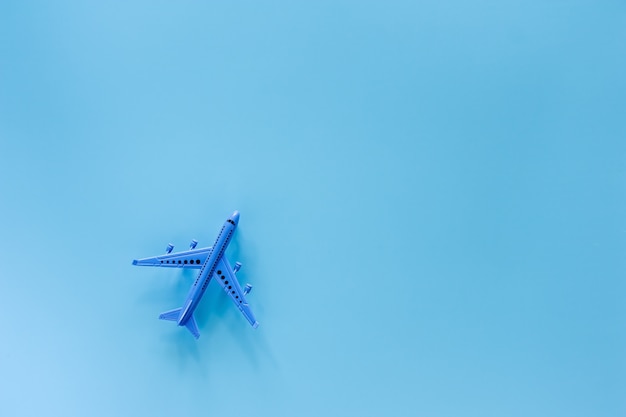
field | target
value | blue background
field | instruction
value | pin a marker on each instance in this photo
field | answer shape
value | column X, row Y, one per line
column 432, row 198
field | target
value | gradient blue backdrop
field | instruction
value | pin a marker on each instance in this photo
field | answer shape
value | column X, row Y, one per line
column 432, row 198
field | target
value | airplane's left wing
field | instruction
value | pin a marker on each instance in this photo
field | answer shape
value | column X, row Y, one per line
column 193, row 259
column 225, row 275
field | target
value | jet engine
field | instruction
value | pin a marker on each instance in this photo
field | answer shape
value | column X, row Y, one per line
column 237, row 266
column 169, row 249
column 247, row 289
column 193, row 244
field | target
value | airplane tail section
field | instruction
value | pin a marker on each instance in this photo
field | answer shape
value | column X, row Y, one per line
column 192, row 326
column 171, row 315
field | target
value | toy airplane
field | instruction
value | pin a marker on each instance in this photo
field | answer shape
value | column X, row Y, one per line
column 211, row 263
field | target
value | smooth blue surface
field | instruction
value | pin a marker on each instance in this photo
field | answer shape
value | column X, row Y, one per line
column 433, row 195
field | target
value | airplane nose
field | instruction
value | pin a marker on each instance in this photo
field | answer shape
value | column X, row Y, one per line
column 235, row 217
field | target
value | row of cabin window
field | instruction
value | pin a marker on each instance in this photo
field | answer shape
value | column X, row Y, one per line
column 185, row 261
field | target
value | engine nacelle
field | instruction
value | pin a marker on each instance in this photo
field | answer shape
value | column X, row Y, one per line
column 169, row 248
column 237, row 266
column 193, row 244
column 247, row 289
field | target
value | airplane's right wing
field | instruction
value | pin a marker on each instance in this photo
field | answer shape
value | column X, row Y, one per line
column 225, row 275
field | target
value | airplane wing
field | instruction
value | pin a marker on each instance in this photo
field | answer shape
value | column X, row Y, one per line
column 193, row 259
column 227, row 280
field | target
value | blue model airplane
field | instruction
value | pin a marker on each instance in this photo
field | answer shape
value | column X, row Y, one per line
column 211, row 263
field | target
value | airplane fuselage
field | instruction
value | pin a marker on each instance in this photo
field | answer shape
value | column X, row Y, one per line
column 208, row 269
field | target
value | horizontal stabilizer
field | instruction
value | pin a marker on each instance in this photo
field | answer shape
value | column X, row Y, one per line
column 171, row 315
column 192, row 326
